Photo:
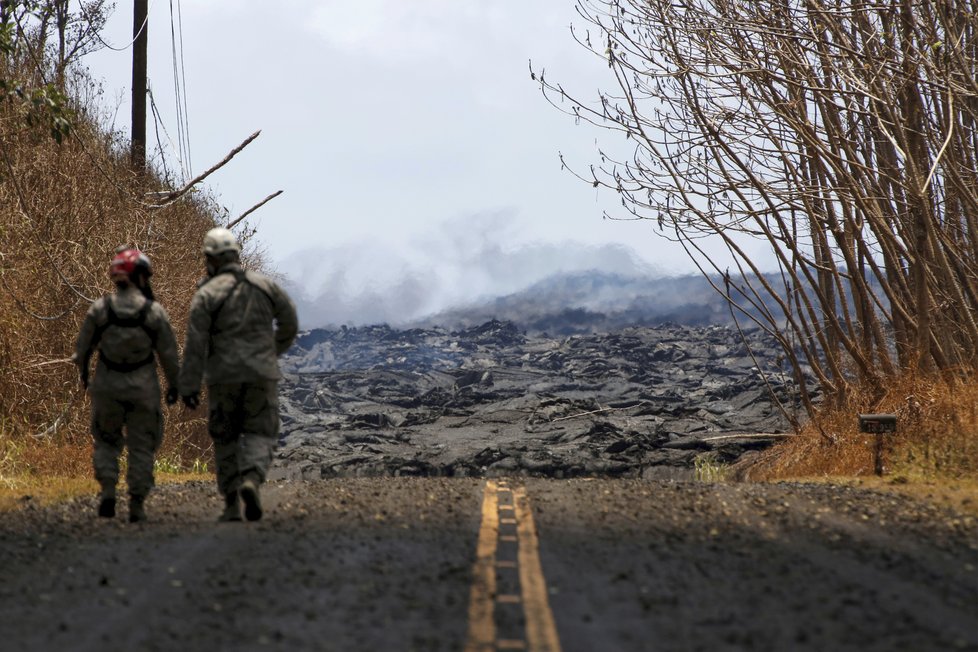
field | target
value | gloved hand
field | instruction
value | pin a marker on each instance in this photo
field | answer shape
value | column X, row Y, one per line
column 172, row 395
column 192, row 401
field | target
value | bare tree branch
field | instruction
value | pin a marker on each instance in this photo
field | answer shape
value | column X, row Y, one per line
column 841, row 135
column 254, row 208
column 167, row 198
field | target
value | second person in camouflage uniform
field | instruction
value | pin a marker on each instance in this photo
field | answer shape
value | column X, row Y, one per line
column 240, row 322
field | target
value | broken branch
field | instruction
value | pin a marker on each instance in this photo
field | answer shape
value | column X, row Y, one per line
column 170, row 197
column 254, row 208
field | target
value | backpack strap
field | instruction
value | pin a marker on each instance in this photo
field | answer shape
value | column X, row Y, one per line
column 138, row 321
column 125, row 367
column 128, row 322
column 241, row 278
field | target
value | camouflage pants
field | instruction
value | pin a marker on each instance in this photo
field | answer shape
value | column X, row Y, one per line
column 142, row 422
column 243, row 422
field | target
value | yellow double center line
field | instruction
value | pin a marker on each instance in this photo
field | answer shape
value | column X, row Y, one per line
column 541, row 632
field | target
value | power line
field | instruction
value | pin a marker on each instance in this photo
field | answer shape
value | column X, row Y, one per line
column 176, row 93
column 180, row 88
column 157, row 125
column 183, row 76
column 134, row 38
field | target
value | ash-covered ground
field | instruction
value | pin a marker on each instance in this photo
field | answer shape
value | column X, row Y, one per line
column 491, row 400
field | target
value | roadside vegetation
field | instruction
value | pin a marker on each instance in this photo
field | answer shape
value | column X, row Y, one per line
column 828, row 153
column 936, row 437
column 68, row 198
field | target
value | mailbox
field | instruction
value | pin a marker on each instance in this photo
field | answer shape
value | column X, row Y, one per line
column 877, row 423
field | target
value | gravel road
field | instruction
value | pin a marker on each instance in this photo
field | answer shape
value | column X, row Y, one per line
column 397, row 563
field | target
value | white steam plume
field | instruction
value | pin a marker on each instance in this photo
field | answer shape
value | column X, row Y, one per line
column 464, row 261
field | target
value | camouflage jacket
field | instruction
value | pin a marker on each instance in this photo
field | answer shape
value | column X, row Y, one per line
column 240, row 322
column 130, row 333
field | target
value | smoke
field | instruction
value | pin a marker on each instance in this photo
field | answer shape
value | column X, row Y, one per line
column 464, row 261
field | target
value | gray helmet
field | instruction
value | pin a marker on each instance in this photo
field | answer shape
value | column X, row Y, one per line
column 219, row 240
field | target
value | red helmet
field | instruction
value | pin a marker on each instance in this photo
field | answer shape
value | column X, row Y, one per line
column 129, row 262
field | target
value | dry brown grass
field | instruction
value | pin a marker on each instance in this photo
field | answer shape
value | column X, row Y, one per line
column 960, row 494
column 64, row 209
column 936, row 438
column 20, row 490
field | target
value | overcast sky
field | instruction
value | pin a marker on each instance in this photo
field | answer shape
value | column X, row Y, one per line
column 411, row 145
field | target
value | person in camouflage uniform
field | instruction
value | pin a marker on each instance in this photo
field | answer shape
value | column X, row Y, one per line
column 127, row 328
column 240, row 322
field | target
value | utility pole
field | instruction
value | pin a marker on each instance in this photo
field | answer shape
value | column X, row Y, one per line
column 140, row 30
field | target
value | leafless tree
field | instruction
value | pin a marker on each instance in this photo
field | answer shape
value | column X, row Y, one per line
column 840, row 133
column 54, row 31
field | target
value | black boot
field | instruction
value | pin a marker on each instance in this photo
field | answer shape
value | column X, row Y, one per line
column 251, row 497
column 232, row 508
column 137, row 513
column 106, row 503
column 106, row 507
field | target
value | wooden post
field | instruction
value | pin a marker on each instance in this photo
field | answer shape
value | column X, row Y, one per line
column 140, row 32
column 878, row 455
column 877, row 425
